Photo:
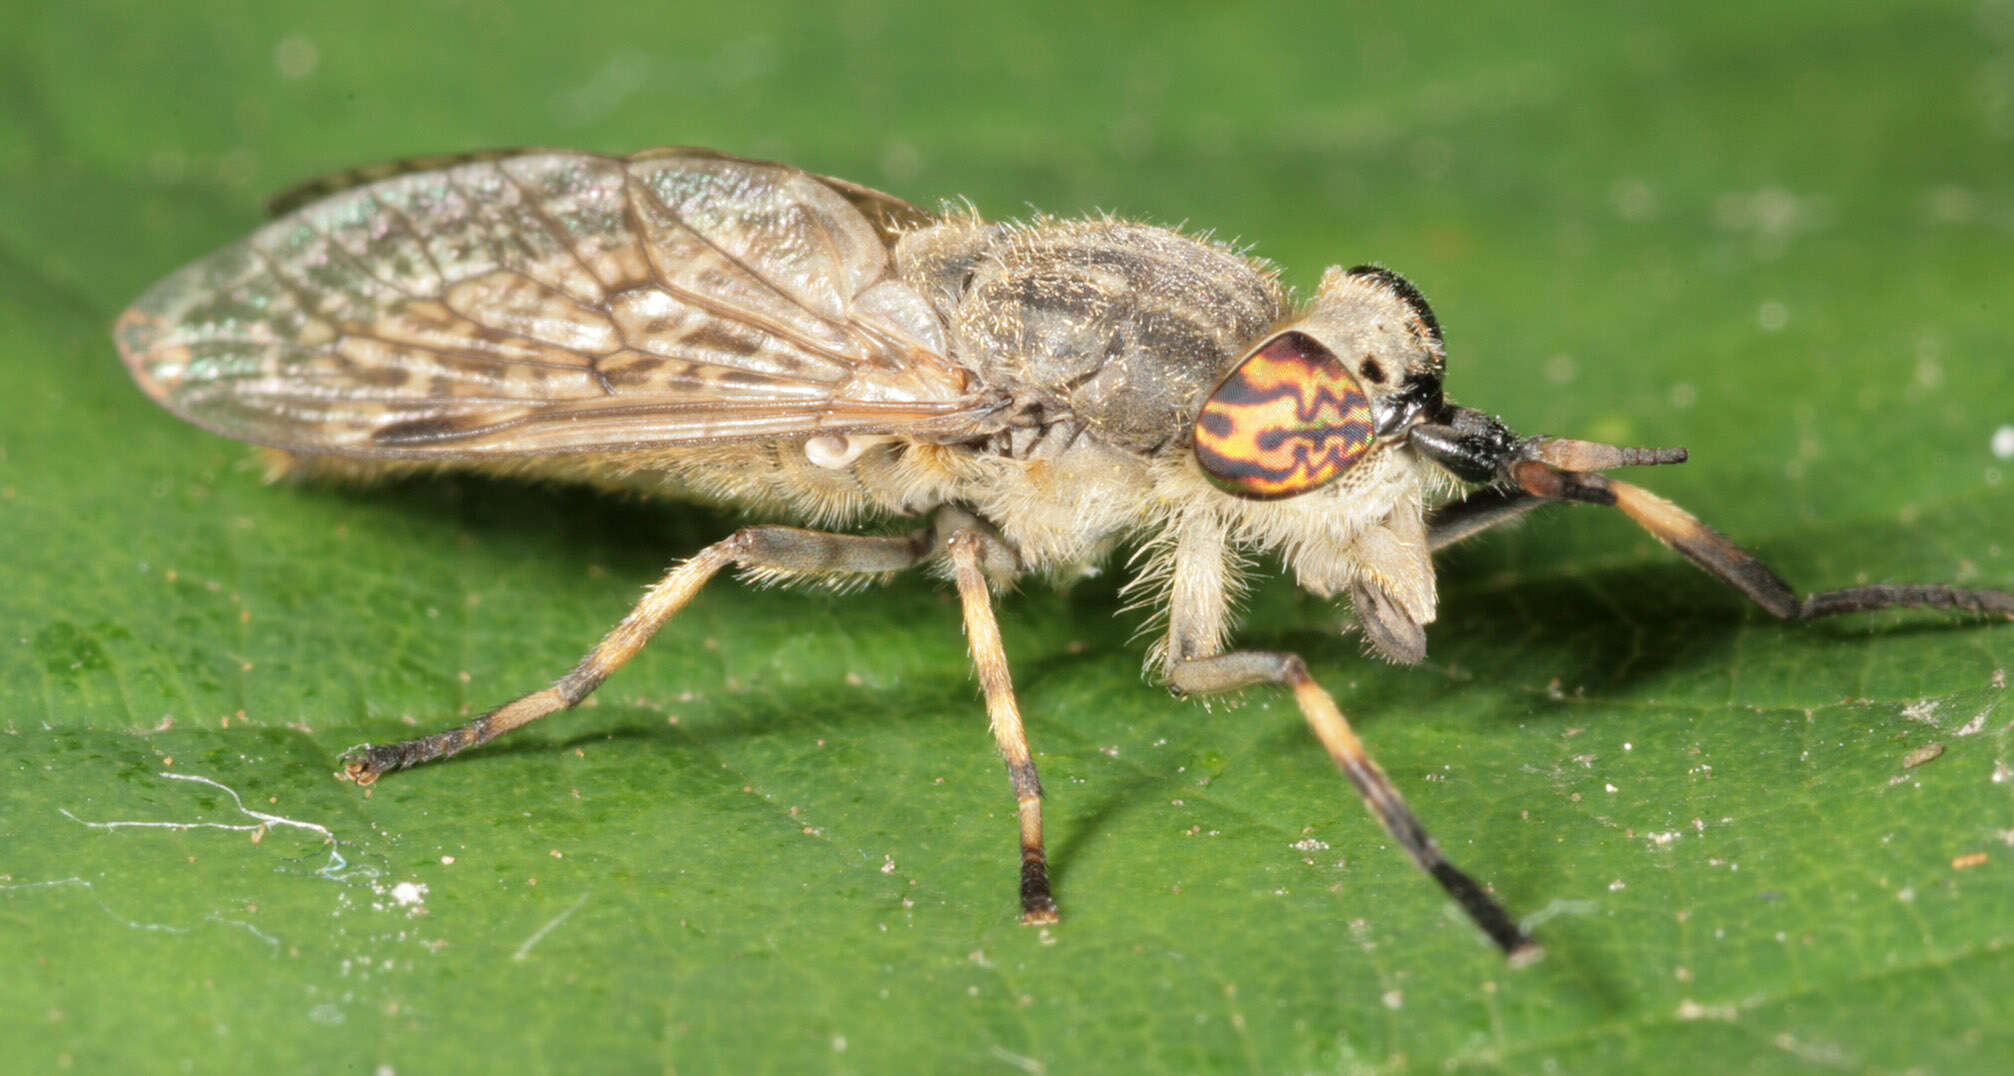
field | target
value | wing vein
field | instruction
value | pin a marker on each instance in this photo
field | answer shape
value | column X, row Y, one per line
column 344, row 329
column 482, row 217
column 356, row 264
column 554, row 228
column 722, row 309
column 303, row 296
column 748, row 270
column 405, row 224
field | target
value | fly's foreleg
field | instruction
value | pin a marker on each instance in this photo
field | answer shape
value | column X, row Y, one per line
column 1244, row 668
column 1481, row 510
column 784, row 550
column 1531, row 471
column 1737, row 567
column 967, row 549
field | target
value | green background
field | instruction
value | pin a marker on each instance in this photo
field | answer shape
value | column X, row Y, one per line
column 781, row 839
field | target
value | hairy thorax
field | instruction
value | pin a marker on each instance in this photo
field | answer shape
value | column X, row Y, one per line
column 1102, row 337
column 1099, row 339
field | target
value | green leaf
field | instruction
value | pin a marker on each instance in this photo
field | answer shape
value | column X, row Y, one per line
column 781, row 839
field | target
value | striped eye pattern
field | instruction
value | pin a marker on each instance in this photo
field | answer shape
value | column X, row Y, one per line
column 1287, row 420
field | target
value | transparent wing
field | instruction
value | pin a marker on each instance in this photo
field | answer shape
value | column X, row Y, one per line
column 555, row 302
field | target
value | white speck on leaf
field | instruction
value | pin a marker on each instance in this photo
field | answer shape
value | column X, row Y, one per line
column 296, row 56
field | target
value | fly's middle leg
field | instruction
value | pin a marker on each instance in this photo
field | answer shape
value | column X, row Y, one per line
column 968, row 549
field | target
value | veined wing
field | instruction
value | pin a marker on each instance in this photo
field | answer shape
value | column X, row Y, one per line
column 556, row 302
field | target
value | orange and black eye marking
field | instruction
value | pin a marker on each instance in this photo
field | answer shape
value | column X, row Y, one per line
column 1288, row 420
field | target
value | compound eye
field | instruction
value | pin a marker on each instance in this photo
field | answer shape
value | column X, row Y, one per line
column 1287, row 420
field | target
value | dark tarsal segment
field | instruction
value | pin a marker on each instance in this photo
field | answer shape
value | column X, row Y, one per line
column 1240, row 668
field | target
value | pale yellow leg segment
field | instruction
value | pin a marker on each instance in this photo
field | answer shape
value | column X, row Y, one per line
column 1241, row 668
column 782, row 549
column 989, row 658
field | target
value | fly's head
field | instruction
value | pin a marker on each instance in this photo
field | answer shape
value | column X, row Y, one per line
column 1304, row 443
column 1354, row 373
column 1326, row 440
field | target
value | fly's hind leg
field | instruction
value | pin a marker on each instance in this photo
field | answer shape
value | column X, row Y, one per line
column 783, row 550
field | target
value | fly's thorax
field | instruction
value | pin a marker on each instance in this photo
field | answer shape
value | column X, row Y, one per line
column 939, row 259
column 1117, row 326
column 1063, row 510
